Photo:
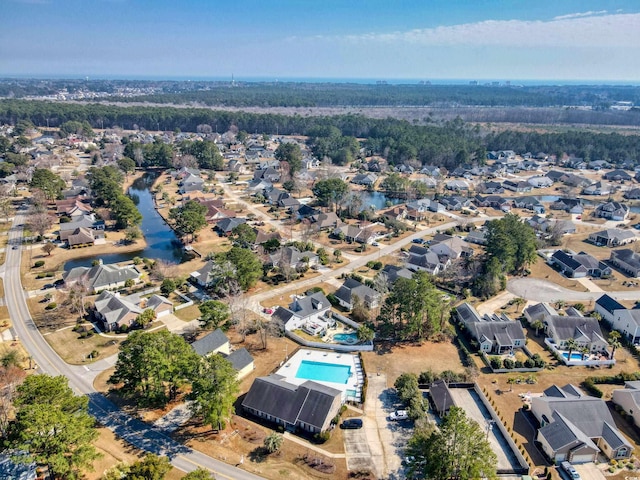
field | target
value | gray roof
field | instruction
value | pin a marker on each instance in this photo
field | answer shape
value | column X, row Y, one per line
column 240, row 358
column 628, row 256
column 502, row 332
column 539, row 311
column 101, row 276
column 305, row 306
column 393, row 272
column 210, row 343
column 309, row 403
column 226, row 225
column 563, row 435
column 467, row 313
column 113, row 308
column 351, row 287
column 578, row 328
column 441, row 396
column 589, row 415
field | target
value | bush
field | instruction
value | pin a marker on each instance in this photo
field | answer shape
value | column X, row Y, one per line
column 529, row 363
column 123, row 328
column 495, row 362
column 519, row 364
column 322, row 437
column 508, row 363
column 377, row 265
column 38, row 264
column 51, row 306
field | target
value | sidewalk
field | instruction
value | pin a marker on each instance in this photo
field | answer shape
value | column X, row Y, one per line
column 310, row 446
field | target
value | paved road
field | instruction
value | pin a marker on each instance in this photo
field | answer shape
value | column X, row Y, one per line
column 539, row 290
column 136, row 432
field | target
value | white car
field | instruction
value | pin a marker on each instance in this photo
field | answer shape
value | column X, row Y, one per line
column 399, row 415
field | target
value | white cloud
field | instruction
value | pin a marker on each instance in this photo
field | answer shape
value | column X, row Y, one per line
column 590, row 13
column 579, row 30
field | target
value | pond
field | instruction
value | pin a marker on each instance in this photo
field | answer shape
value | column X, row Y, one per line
column 162, row 242
column 377, row 199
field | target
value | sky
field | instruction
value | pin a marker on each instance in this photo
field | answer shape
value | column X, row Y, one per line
column 563, row 40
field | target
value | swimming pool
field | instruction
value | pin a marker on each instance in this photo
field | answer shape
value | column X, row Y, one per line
column 574, row 356
column 323, row 372
column 346, row 338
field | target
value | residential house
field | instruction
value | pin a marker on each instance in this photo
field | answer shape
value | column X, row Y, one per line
column 393, row 272
column 598, row 188
column 517, row 186
column 570, row 205
column 73, row 207
column 494, row 333
column 82, row 221
column 627, row 322
column 191, row 183
column 626, row 260
column 529, row 203
column 576, row 163
column 617, row 175
column 452, row 248
column 575, row 427
column 352, row 288
column 205, row 276
column 606, row 306
column 633, row 194
column 303, row 310
column 493, row 201
column 268, row 174
column 309, row 406
column 457, row 185
column 491, row 187
column 225, row 226
column 418, row 209
column 114, row 311
column 424, row 259
column 454, row 202
column 305, row 211
column 598, row 165
column 255, row 187
column 291, row 257
column 353, row 233
column 215, row 209
column 478, row 237
column 326, row 221
column 612, row 237
column 628, row 399
column 397, row 213
column 572, row 180
column 102, row 277
column 541, row 181
column 579, row 265
column 84, row 237
column 584, row 330
column 185, row 172
column 367, row 179
column 431, row 170
column 539, row 311
column 612, row 211
column 217, row 343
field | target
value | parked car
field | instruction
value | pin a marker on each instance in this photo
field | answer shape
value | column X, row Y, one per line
column 375, row 244
column 569, row 470
column 351, row 423
column 418, row 240
column 399, row 415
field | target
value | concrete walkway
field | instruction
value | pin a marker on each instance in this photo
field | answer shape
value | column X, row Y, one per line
column 176, row 417
column 589, row 285
column 291, row 437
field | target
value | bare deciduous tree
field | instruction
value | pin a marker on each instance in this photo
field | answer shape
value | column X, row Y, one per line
column 40, row 222
column 10, row 378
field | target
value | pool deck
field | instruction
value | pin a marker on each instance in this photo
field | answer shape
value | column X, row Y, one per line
column 290, row 368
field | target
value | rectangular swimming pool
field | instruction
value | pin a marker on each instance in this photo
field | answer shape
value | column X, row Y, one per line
column 324, row 372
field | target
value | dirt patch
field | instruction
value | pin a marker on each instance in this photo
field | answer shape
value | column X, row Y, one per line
column 396, row 359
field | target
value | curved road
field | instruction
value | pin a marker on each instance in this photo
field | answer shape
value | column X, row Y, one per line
column 136, row 432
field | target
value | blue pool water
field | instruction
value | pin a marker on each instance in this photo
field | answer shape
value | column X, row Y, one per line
column 347, row 338
column 323, row 372
column 574, row 356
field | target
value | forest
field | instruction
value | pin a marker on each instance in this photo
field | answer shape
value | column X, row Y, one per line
column 447, row 143
column 319, row 94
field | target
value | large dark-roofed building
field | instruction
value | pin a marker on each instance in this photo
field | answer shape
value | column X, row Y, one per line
column 309, row 406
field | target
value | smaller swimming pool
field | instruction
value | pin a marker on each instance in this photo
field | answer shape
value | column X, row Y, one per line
column 574, row 356
column 346, row 338
column 324, row 372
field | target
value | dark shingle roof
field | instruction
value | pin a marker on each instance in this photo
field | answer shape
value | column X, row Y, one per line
column 210, row 342
column 441, row 396
column 609, row 303
column 240, row 358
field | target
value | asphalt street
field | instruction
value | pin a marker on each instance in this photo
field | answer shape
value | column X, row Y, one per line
column 136, row 432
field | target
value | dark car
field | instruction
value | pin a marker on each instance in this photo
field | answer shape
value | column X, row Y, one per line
column 48, row 286
column 418, row 240
column 351, row 423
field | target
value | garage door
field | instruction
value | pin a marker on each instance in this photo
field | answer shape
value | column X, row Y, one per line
column 581, row 458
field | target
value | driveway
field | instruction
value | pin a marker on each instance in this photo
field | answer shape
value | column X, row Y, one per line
column 589, row 471
column 356, row 449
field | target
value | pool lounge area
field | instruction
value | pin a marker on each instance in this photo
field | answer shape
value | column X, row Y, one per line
column 341, row 371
